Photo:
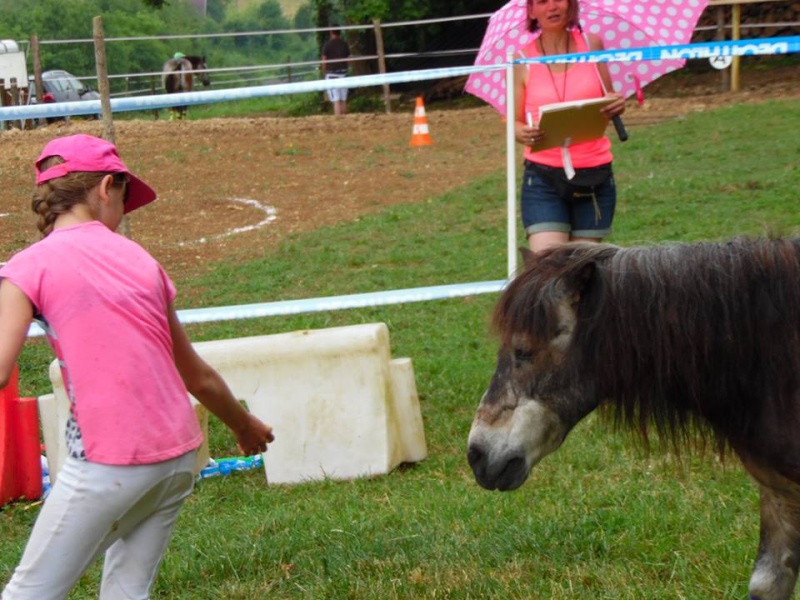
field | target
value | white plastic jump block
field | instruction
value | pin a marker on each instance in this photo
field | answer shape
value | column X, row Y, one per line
column 340, row 406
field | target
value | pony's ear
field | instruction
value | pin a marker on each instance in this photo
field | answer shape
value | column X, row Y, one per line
column 579, row 280
column 584, row 275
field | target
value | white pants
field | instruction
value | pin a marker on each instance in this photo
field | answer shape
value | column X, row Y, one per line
column 336, row 95
column 128, row 512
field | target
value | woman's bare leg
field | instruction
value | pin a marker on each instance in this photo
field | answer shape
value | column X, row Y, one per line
column 546, row 239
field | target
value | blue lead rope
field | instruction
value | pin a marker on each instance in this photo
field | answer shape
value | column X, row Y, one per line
column 225, row 466
column 215, row 468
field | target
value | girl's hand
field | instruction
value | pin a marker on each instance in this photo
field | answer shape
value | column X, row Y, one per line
column 616, row 108
column 527, row 135
column 207, row 385
column 254, row 436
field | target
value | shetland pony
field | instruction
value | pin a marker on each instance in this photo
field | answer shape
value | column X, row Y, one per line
column 178, row 76
column 682, row 339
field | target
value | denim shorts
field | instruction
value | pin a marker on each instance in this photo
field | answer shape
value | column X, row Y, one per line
column 586, row 216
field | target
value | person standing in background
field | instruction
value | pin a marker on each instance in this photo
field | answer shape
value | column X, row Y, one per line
column 557, row 208
column 335, row 51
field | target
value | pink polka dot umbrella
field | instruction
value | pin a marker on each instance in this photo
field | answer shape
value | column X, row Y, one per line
column 621, row 24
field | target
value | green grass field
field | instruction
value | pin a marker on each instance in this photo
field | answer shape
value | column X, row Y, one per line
column 600, row 519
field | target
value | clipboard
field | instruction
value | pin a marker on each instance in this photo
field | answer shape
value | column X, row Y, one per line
column 577, row 120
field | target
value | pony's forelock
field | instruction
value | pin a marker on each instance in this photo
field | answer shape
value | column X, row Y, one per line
column 530, row 305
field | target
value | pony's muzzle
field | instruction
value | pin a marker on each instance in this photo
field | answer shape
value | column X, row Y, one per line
column 505, row 474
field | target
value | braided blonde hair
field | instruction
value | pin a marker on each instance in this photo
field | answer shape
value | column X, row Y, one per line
column 58, row 196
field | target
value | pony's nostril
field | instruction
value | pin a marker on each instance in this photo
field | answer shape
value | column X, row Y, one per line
column 475, row 456
column 512, row 469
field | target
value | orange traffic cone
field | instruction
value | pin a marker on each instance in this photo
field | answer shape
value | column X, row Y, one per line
column 421, row 137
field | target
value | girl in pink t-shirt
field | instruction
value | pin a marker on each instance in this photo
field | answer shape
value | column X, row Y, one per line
column 127, row 364
column 557, row 208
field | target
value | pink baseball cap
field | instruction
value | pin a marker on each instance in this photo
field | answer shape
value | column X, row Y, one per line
column 91, row 154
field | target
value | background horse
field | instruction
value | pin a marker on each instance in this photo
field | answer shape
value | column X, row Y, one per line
column 689, row 339
column 178, row 76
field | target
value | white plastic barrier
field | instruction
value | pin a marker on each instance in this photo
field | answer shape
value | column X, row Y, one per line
column 340, row 406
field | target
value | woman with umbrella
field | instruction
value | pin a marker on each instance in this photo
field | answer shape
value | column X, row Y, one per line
column 568, row 192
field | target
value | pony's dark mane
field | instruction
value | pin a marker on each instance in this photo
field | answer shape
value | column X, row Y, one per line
column 676, row 335
column 197, row 61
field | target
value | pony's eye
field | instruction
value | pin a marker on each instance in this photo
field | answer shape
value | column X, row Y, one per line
column 521, row 356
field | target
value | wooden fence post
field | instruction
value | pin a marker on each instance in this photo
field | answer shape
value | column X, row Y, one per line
column 37, row 73
column 153, row 93
column 720, row 36
column 102, row 79
column 387, row 101
column 105, row 100
column 3, row 124
column 736, row 35
column 15, row 101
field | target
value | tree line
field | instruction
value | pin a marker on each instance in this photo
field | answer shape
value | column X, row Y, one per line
column 52, row 20
column 72, row 19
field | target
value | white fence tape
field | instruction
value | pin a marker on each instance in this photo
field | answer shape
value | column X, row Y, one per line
column 309, row 305
column 761, row 46
column 92, row 107
column 755, row 47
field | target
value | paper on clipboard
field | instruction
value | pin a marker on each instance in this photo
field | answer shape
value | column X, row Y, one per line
column 578, row 121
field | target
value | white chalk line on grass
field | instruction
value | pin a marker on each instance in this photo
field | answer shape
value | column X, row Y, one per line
column 270, row 212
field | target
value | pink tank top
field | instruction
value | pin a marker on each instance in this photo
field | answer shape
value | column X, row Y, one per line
column 580, row 81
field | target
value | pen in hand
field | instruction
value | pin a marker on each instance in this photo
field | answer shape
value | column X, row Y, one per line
column 529, row 119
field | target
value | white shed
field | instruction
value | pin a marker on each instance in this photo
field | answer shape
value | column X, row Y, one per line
column 12, row 64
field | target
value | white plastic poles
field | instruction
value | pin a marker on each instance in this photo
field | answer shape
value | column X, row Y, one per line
column 511, row 171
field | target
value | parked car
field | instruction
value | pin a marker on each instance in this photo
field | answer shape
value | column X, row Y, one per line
column 60, row 86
